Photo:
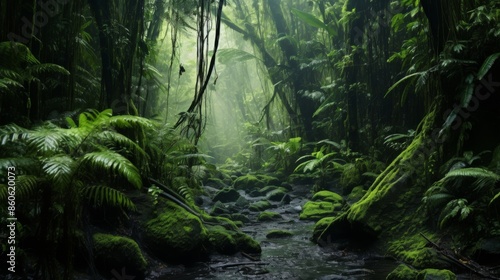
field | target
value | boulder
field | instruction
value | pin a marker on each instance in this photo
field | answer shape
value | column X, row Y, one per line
column 248, row 183
column 176, row 235
column 226, row 195
column 278, row 234
column 315, row 210
column 113, row 252
column 276, row 195
column 260, row 206
column 327, row 196
column 268, row 216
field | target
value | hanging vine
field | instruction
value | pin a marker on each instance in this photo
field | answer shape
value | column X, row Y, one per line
column 193, row 121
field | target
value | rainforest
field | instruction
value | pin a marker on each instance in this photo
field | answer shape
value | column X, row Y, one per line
column 258, row 139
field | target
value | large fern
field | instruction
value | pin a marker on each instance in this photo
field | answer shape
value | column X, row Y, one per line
column 100, row 195
column 112, row 163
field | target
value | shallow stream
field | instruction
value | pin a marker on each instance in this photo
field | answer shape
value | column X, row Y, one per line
column 291, row 258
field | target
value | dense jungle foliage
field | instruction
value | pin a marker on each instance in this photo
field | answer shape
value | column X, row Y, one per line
column 117, row 119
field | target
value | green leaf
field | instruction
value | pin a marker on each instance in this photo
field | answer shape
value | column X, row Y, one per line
column 226, row 56
column 104, row 195
column 487, row 64
column 113, row 164
column 474, row 172
column 59, row 169
column 404, row 79
column 313, row 21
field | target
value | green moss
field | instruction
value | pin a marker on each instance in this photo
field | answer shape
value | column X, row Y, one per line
column 436, row 274
column 268, row 180
column 276, row 195
column 114, row 252
column 397, row 191
column 268, row 216
column 219, row 208
column 402, row 272
column 350, row 177
column 248, row 182
column 278, row 234
column 176, row 235
column 356, row 194
column 221, row 240
column 413, row 250
column 247, row 244
column 260, row 206
column 321, row 225
column 226, row 195
column 240, row 217
column 315, row 210
column 327, row 196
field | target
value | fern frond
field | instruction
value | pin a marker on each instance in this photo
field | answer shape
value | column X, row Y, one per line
column 51, row 140
column 23, row 165
column 181, row 187
column 487, row 64
column 114, row 164
column 106, row 196
column 47, row 68
column 6, row 83
column 11, row 132
column 126, row 121
column 59, row 169
column 494, row 199
column 117, row 140
column 474, row 172
column 27, row 185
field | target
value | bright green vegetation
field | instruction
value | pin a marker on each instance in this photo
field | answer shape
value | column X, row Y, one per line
column 120, row 121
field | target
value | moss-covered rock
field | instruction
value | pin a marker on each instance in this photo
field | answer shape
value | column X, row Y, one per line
column 269, row 180
column 247, row 244
column 278, row 233
column 436, row 274
column 327, row 196
column 402, row 272
column 226, row 195
column 241, row 202
column 116, row 252
column 316, row 210
column 222, row 240
column 248, row 183
column 414, row 250
column 240, row 217
column 176, row 235
column 276, row 195
column 219, row 208
column 260, row 206
column 321, row 225
column 268, row 216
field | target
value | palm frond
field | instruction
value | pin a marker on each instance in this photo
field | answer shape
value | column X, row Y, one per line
column 23, row 165
column 47, row 68
column 127, row 121
column 114, row 164
column 117, row 140
column 106, row 196
column 59, row 169
column 50, row 140
column 27, row 185
column 11, row 132
column 474, row 172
